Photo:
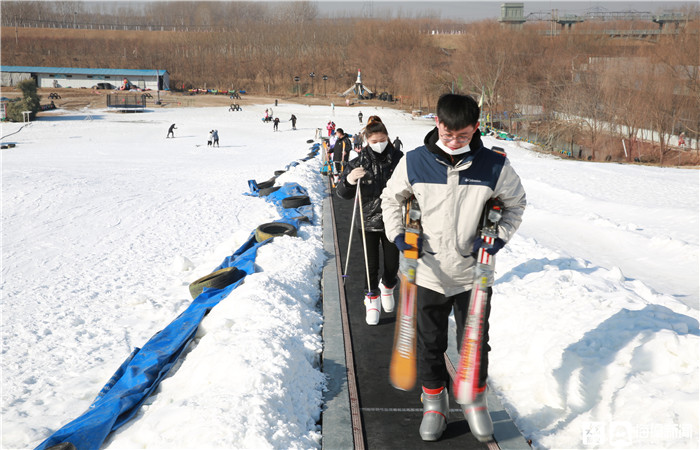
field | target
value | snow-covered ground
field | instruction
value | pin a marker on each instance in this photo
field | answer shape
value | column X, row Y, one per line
column 105, row 222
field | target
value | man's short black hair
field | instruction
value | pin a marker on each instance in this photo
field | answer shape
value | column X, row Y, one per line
column 457, row 111
column 339, row 131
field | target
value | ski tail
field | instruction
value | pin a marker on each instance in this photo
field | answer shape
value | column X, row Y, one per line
column 466, row 381
column 402, row 369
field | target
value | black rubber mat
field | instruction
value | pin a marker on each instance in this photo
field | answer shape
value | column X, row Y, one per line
column 390, row 417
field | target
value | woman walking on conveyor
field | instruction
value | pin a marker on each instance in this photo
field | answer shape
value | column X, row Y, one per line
column 371, row 170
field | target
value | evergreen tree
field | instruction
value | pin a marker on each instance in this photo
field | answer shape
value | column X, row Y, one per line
column 29, row 102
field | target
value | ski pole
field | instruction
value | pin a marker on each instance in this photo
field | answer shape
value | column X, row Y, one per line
column 332, row 172
column 364, row 240
column 352, row 224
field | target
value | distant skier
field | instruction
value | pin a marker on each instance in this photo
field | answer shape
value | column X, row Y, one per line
column 170, row 131
column 215, row 137
column 276, row 123
column 211, row 138
column 294, row 121
column 398, row 144
column 357, row 142
column 359, row 116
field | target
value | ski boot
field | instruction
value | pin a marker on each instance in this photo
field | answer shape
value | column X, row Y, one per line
column 436, row 408
column 387, row 297
column 372, row 305
column 478, row 417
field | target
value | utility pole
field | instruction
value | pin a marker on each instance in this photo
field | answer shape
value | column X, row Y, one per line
column 158, row 87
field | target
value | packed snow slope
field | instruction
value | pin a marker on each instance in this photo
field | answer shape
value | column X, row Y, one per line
column 105, row 222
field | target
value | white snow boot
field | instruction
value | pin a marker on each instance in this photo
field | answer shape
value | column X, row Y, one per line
column 436, row 407
column 478, row 417
column 387, row 297
column 372, row 306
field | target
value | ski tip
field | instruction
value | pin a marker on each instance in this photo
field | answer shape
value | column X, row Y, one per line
column 404, row 387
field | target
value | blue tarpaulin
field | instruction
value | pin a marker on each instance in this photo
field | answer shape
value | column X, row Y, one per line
column 143, row 370
column 293, row 216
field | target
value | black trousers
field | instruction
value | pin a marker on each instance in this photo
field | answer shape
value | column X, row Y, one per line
column 375, row 241
column 433, row 318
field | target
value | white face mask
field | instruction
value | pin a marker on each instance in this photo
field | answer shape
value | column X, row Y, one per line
column 379, row 147
column 450, row 151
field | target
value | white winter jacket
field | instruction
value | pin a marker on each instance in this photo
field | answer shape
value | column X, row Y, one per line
column 451, row 199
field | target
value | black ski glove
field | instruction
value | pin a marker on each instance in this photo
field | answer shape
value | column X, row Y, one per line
column 498, row 244
column 400, row 242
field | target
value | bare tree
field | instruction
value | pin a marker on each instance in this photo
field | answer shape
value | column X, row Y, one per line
column 299, row 12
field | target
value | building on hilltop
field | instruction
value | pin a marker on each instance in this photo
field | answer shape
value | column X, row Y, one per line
column 70, row 77
column 512, row 14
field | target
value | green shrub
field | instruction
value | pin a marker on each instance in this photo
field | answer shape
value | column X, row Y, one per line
column 29, row 102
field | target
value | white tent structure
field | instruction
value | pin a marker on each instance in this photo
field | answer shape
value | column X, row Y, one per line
column 360, row 90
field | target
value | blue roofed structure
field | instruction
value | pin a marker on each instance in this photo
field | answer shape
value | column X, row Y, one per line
column 73, row 77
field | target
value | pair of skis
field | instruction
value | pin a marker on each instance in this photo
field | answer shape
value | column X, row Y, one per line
column 402, row 370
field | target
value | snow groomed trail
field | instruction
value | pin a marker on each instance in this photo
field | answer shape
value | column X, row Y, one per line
column 388, row 418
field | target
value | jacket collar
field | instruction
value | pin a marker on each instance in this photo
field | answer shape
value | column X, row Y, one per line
column 475, row 145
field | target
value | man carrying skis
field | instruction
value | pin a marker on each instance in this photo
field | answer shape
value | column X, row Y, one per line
column 341, row 150
column 452, row 177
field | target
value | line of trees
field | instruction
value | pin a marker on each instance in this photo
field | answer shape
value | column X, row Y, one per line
column 154, row 15
column 593, row 90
